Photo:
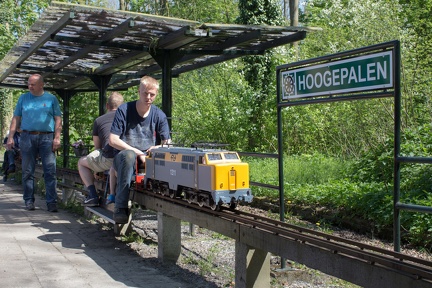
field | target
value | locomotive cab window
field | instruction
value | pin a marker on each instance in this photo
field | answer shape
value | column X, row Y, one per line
column 214, row 156
column 231, row 156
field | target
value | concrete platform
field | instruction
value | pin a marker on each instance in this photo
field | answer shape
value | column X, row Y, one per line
column 43, row 249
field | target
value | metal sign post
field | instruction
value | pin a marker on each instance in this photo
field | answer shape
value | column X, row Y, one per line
column 364, row 73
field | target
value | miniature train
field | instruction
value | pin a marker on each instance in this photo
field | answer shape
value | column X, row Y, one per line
column 207, row 177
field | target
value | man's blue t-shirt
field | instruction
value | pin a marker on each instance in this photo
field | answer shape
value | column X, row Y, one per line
column 139, row 132
column 37, row 112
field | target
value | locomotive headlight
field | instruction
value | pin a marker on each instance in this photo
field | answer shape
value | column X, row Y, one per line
column 221, row 185
column 243, row 183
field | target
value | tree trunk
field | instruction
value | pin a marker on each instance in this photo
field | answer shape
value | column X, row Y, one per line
column 122, row 5
column 294, row 12
column 294, row 16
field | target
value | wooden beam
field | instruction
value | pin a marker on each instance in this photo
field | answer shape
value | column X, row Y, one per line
column 121, row 63
column 300, row 35
column 178, row 38
column 99, row 42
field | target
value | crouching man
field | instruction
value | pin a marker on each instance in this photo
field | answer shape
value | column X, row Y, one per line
column 138, row 127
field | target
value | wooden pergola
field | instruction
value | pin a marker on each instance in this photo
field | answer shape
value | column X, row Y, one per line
column 87, row 49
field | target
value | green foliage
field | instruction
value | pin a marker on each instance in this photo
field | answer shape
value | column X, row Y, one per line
column 215, row 100
column 344, row 129
column 6, row 34
column 416, row 61
column 16, row 19
column 5, row 111
column 258, row 72
column 416, row 15
column 82, row 115
column 94, row 3
column 212, row 11
column 417, row 227
column 260, row 12
column 349, row 24
column 377, row 164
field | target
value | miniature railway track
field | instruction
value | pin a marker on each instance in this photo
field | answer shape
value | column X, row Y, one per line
column 414, row 267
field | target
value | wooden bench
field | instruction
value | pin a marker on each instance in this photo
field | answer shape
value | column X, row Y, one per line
column 106, row 213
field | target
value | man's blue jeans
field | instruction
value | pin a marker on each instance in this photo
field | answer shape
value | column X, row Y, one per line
column 124, row 165
column 31, row 147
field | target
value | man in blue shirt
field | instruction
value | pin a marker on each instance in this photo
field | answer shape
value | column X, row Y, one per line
column 138, row 127
column 38, row 115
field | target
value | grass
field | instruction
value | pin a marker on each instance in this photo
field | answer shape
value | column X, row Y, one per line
column 311, row 169
column 132, row 237
column 73, row 206
column 298, row 170
column 205, row 264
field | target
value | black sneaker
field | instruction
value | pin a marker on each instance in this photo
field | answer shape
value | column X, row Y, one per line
column 52, row 207
column 91, row 202
column 30, row 206
column 121, row 215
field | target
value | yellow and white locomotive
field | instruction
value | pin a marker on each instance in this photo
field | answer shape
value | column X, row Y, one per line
column 208, row 177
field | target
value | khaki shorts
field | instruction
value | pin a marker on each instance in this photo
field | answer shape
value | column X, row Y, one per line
column 97, row 162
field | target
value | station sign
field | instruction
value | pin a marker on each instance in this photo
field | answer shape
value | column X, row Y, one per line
column 356, row 74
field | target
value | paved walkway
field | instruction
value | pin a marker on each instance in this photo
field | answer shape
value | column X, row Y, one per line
column 43, row 249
